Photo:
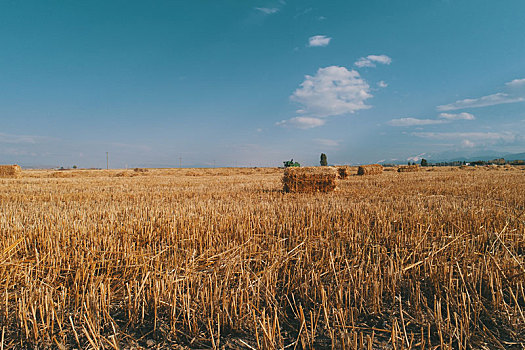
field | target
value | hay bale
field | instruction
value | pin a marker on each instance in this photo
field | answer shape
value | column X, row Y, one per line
column 343, row 171
column 126, row 174
column 309, row 180
column 408, row 168
column 370, row 169
column 10, row 171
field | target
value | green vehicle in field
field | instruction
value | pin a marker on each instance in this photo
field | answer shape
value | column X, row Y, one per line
column 291, row 163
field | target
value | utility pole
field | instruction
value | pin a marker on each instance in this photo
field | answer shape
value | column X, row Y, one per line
column 107, row 160
column 180, row 162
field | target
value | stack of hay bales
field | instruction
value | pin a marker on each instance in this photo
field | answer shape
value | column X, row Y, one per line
column 408, row 168
column 309, row 180
column 343, row 171
column 371, row 169
column 10, row 171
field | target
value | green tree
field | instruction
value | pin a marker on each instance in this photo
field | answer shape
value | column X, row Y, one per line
column 324, row 162
column 424, row 162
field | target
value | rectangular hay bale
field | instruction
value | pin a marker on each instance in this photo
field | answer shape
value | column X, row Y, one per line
column 10, row 171
column 370, row 169
column 408, row 168
column 343, row 171
column 309, row 179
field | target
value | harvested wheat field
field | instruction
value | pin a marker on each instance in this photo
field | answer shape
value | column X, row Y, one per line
column 223, row 258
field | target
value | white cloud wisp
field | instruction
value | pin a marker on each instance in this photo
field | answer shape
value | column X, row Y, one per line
column 485, row 101
column 267, row 10
column 319, row 41
column 371, row 60
column 459, row 116
column 302, row 122
column 414, row 122
column 327, row 142
column 516, row 83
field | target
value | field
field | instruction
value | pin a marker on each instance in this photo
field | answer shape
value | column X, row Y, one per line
column 222, row 258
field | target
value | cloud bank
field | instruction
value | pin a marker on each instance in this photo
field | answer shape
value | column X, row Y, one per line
column 480, row 136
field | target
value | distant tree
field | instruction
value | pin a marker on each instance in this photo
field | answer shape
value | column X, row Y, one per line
column 424, row 162
column 74, row 166
column 323, row 162
column 409, row 163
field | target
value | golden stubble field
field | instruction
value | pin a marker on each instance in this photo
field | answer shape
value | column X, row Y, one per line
column 222, row 258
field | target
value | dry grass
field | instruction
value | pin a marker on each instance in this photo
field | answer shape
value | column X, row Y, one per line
column 216, row 258
column 370, row 169
column 309, row 179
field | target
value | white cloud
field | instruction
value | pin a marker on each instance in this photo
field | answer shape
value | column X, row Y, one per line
column 382, row 84
column 414, row 122
column 327, row 142
column 303, row 12
column 516, row 83
column 302, row 122
column 459, row 116
column 467, row 144
column 490, row 100
column 332, row 91
column 319, row 40
column 267, row 10
column 371, row 60
column 477, row 136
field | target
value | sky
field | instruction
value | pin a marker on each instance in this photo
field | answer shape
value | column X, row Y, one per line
column 253, row 83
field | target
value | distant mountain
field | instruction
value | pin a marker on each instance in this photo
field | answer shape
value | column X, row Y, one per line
column 486, row 156
column 515, row 156
column 461, row 156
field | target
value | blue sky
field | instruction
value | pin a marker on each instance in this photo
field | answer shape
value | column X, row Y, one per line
column 253, row 83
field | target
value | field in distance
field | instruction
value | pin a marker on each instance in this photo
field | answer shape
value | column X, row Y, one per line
column 222, row 258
